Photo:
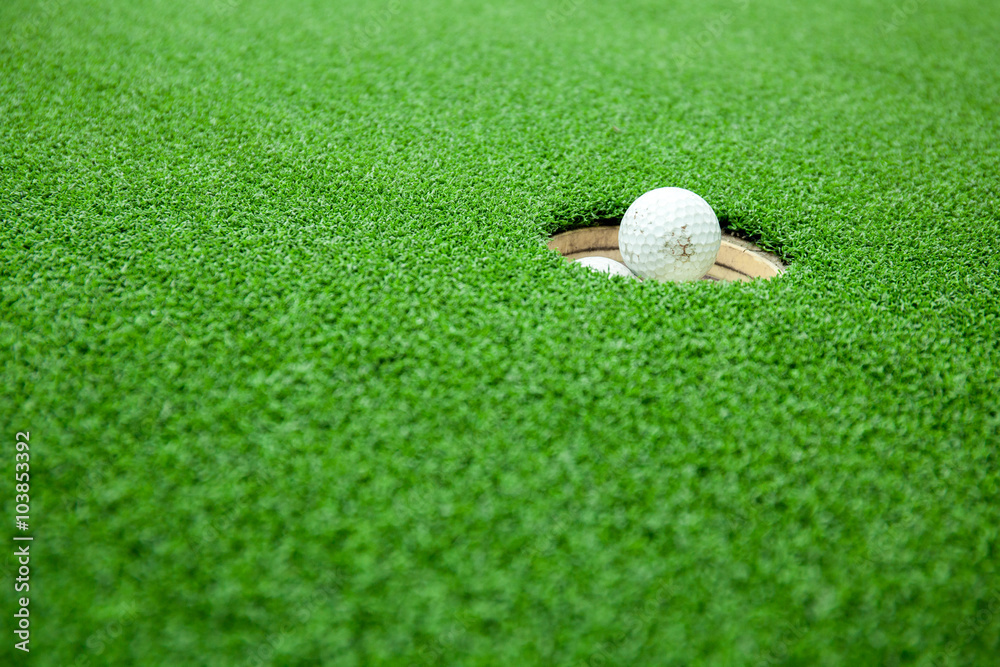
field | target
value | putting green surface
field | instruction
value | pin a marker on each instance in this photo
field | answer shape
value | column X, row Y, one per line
column 305, row 387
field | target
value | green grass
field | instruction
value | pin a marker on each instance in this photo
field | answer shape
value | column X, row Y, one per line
column 305, row 387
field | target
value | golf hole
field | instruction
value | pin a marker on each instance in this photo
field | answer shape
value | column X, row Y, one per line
column 738, row 260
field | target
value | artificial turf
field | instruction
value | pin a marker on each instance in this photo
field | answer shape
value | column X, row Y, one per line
column 305, row 387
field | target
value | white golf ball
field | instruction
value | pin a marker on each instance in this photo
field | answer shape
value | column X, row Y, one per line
column 605, row 265
column 670, row 234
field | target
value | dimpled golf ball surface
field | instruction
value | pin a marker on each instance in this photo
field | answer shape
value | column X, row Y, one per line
column 605, row 265
column 670, row 234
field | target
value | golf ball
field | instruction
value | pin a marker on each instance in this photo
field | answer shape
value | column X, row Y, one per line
column 605, row 265
column 670, row 234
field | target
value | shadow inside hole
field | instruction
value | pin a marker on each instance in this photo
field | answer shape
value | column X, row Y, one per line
column 732, row 224
column 738, row 260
